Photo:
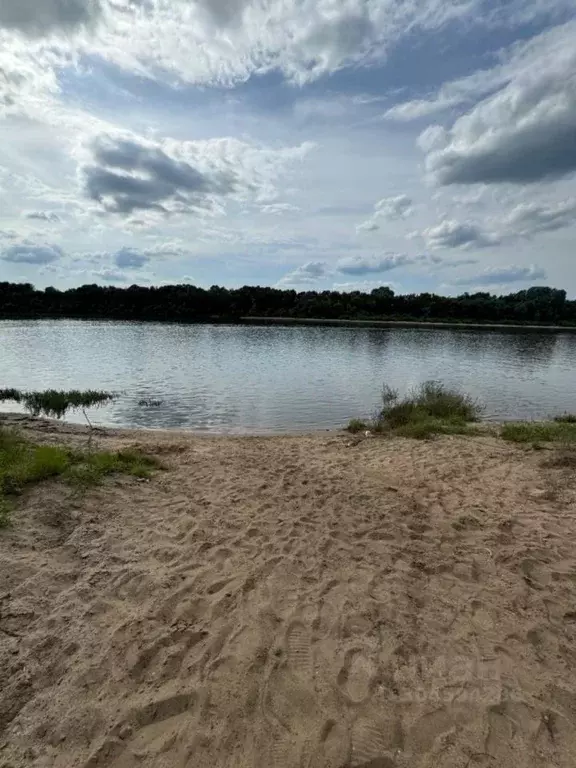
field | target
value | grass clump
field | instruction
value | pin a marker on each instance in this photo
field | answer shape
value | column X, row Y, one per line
column 431, row 409
column 539, row 432
column 357, row 425
column 24, row 463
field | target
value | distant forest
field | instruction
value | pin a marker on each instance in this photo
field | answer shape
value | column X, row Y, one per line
column 188, row 303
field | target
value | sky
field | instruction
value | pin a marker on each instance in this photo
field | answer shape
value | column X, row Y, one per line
column 427, row 145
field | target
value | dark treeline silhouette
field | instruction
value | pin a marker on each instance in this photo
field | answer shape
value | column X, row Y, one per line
column 191, row 304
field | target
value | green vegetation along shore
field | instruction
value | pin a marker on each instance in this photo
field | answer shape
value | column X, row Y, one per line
column 433, row 409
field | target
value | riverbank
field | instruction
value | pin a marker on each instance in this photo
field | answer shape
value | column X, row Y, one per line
column 325, row 601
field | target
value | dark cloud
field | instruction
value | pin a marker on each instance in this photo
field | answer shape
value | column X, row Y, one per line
column 454, row 234
column 523, row 134
column 48, row 216
column 25, row 253
column 128, row 258
column 361, row 265
column 128, row 176
column 37, row 18
column 503, row 275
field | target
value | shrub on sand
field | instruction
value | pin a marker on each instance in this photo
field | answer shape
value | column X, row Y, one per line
column 428, row 410
column 357, row 425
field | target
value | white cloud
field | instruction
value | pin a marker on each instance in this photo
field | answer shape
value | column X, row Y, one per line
column 364, row 265
column 279, row 208
column 502, row 276
column 454, row 234
column 513, row 64
column 307, row 273
column 528, row 219
column 391, row 208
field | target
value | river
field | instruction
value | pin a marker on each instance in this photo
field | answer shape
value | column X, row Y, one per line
column 262, row 379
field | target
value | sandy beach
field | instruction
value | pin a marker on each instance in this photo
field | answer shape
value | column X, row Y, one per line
column 293, row 602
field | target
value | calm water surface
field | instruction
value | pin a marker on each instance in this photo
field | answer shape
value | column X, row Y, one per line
column 239, row 379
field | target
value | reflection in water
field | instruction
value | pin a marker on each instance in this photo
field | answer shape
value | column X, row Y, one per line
column 248, row 378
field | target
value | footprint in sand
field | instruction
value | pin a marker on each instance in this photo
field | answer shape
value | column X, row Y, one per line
column 147, row 732
column 375, row 744
column 290, row 703
column 356, row 676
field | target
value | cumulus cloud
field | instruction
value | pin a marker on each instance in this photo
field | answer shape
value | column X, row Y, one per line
column 528, row 219
column 28, row 253
column 454, row 234
column 399, row 207
column 524, row 133
column 512, row 63
column 368, row 226
column 306, row 273
column 365, row 265
column 503, row 275
column 47, row 216
column 222, row 42
column 40, row 17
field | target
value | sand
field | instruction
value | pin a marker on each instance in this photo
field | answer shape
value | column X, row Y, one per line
column 310, row 602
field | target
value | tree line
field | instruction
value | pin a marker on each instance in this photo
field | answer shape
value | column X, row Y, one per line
column 188, row 303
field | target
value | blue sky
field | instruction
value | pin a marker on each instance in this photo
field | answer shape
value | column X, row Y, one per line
column 314, row 144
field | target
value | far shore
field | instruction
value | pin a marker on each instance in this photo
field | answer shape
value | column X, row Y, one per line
column 405, row 324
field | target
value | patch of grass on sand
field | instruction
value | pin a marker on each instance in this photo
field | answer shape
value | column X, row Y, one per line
column 539, row 432
column 431, row 409
column 24, row 463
